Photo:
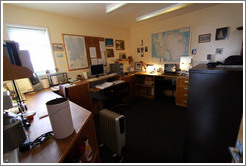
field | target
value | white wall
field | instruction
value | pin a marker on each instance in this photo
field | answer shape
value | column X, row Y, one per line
column 58, row 25
column 201, row 22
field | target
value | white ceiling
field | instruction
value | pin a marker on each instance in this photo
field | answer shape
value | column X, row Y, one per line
column 124, row 16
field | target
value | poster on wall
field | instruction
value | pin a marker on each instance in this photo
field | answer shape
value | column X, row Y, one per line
column 75, row 51
column 171, row 45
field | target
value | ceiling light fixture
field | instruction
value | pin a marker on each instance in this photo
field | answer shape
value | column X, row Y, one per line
column 162, row 11
column 113, row 7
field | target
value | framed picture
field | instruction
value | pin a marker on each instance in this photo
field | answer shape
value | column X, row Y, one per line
column 204, row 38
column 58, row 47
column 119, row 44
column 221, row 33
column 219, row 50
column 122, row 55
column 138, row 66
column 138, row 50
column 110, row 52
column 109, row 42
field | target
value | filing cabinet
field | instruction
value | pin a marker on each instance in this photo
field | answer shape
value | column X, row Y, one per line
column 182, row 91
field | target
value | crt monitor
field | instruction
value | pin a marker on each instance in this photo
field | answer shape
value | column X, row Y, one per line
column 97, row 70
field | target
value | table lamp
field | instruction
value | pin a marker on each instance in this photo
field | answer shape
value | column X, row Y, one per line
column 13, row 132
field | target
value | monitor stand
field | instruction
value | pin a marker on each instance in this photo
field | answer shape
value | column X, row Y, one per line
column 97, row 75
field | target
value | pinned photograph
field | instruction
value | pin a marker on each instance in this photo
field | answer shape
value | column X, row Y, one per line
column 146, row 49
column 219, row 50
column 194, row 51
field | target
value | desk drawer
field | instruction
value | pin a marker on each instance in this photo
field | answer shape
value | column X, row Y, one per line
column 182, row 91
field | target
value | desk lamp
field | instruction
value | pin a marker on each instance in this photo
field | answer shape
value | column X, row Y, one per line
column 13, row 132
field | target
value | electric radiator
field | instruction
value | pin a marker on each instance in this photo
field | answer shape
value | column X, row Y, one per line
column 112, row 130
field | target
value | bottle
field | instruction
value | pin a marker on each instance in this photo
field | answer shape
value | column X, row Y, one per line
column 88, row 150
column 82, row 152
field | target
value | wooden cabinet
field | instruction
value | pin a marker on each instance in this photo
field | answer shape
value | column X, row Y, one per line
column 88, row 132
column 80, row 94
column 182, row 84
column 145, row 86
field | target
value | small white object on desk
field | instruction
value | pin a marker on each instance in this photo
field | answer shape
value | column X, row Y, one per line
column 45, row 83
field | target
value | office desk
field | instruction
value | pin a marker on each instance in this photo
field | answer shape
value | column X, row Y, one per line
column 55, row 150
column 112, row 95
column 84, row 91
column 146, row 86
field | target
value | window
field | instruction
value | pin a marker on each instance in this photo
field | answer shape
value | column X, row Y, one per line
column 36, row 41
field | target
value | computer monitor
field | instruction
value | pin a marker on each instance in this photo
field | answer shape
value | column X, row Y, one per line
column 97, row 70
column 170, row 68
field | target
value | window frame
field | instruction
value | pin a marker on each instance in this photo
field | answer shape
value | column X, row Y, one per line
column 34, row 28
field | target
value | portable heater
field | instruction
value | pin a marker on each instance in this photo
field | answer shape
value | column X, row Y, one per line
column 112, row 130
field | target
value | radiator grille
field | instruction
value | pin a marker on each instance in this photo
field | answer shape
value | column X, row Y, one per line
column 112, row 130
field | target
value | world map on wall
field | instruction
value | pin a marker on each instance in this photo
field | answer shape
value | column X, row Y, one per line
column 171, row 45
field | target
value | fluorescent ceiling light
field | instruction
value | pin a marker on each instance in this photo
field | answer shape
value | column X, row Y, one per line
column 162, row 11
column 113, row 7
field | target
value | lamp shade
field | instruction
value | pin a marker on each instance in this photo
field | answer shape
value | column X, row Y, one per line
column 12, row 72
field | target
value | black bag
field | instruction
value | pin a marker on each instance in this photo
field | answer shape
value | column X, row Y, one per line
column 234, row 60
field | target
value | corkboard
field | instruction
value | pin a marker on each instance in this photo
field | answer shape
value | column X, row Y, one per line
column 93, row 42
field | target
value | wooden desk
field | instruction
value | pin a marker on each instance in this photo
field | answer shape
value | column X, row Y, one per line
column 81, row 93
column 54, row 150
column 147, row 87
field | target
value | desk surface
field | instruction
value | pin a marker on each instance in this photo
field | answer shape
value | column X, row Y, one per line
column 52, row 150
column 102, row 77
column 160, row 74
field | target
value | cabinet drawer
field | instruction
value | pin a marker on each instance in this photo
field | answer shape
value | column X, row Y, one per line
column 183, row 82
column 183, row 96
column 181, row 102
column 182, row 91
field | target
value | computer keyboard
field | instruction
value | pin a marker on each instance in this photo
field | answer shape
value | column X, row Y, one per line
column 104, row 85
column 112, row 74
